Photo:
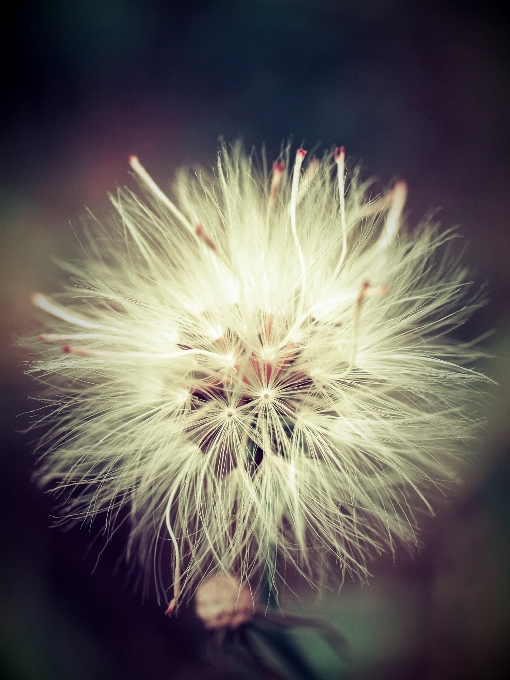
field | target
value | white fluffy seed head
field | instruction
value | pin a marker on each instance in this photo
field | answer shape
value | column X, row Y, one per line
column 260, row 373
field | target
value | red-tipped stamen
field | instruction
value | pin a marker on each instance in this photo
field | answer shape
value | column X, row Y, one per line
column 171, row 606
column 339, row 156
column 397, row 208
column 364, row 292
column 204, row 236
column 300, row 155
column 81, row 351
column 375, row 291
column 397, row 198
column 276, row 179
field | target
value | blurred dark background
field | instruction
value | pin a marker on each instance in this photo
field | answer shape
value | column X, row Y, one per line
column 415, row 89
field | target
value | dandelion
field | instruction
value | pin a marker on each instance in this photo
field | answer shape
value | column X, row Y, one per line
column 259, row 372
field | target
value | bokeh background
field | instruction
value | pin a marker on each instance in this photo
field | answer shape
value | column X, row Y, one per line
column 414, row 89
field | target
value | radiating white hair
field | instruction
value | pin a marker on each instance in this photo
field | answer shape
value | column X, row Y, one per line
column 259, row 371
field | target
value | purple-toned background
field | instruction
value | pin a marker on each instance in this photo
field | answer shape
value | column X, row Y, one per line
column 415, row 89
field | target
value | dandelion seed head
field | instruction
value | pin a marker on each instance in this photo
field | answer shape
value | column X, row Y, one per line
column 260, row 371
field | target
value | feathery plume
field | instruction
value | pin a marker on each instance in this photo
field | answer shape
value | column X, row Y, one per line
column 259, row 371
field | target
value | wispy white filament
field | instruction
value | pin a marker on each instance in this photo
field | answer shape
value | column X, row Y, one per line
column 286, row 395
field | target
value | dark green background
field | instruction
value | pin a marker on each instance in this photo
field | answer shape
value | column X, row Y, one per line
column 413, row 89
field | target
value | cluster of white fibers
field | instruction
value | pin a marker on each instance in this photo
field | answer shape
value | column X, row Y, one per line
column 260, row 372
